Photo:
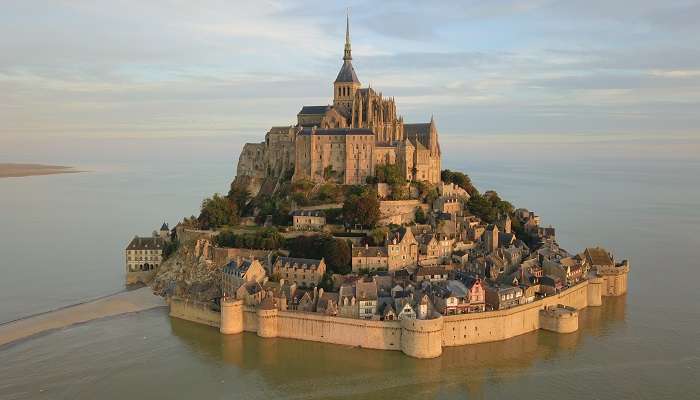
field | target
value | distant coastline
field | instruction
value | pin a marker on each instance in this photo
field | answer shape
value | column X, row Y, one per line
column 12, row 170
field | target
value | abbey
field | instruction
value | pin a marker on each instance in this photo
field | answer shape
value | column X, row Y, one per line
column 343, row 142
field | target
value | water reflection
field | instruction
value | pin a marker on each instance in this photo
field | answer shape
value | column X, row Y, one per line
column 291, row 365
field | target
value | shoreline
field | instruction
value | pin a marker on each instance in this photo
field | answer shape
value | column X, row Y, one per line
column 119, row 303
column 21, row 170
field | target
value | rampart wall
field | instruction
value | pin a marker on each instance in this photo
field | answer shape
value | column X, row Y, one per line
column 416, row 338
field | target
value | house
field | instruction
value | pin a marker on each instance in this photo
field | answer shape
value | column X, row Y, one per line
column 238, row 272
column 302, row 300
column 308, row 219
column 143, row 256
column 431, row 274
column 385, row 309
column 366, row 292
column 502, row 297
column 281, row 292
column 251, row 293
column 347, row 302
column 402, row 248
column 404, row 308
column 425, row 307
column 450, row 299
column 477, row 295
column 370, row 258
column 302, row 271
column 327, row 303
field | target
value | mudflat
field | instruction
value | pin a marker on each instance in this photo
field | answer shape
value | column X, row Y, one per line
column 120, row 303
column 14, row 170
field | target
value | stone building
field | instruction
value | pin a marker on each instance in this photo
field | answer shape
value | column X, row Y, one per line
column 370, row 258
column 239, row 272
column 342, row 142
column 302, row 271
column 308, row 219
column 143, row 255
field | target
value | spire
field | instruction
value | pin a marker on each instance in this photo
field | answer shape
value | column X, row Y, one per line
column 348, row 52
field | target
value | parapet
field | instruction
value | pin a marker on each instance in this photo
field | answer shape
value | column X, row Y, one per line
column 559, row 318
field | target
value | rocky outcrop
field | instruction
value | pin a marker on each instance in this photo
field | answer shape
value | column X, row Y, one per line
column 189, row 275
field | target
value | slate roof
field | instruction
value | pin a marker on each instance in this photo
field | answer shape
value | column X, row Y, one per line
column 370, row 251
column 307, row 213
column 314, row 110
column 347, row 73
column 301, row 262
column 337, row 131
column 146, row 243
column 233, row 266
column 598, row 256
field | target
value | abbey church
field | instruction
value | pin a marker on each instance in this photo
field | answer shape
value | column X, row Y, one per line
column 342, row 142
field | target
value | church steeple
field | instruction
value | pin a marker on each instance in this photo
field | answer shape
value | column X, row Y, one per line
column 346, row 83
column 348, row 52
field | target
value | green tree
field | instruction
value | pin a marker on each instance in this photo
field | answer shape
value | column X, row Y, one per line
column 239, row 195
column 217, row 211
column 420, row 216
column 460, row 179
column 361, row 210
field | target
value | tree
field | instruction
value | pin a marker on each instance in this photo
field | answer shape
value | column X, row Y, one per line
column 361, row 210
column 239, row 195
column 460, row 179
column 420, row 216
column 217, row 211
column 335, row 252
column 390, row 174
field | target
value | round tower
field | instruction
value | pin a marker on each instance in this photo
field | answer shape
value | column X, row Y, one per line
column 422, row 338
column 267, row 319
column 231, row 316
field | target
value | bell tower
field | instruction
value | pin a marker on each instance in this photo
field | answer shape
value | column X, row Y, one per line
column 346, row 83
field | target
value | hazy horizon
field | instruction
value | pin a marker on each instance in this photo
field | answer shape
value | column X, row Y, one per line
column 94, row 70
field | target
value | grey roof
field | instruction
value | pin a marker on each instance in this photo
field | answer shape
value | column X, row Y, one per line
column 234, row 266
column 301, row 262
column 146, row 243
column 347, row 73
column 314, row 110
column 307, row 213
column 164, row 227
column 370, row 251
column 337, row 131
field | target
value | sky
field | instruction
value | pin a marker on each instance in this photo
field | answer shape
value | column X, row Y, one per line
column 157, row 68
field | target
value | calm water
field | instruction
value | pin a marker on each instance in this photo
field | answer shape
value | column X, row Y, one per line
column 62, row 240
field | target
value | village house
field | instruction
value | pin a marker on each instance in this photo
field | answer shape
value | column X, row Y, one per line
column 308, row 219
column 251, row 293
column 327, row 303
column 302, row 271
column 347, row 302
column 502, row 297
column 402, row 249
column 236, row 273
column 431, row 274
column 369, row 258
column 366, row 292
column 477, row 294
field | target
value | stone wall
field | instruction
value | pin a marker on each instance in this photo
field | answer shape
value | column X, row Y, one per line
column 194, row 311
column 416, row 338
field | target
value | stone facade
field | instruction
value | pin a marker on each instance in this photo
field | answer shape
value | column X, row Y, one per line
column 342, row 142
column 143, row 256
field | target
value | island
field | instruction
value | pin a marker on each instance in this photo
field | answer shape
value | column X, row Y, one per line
column 15, row 170
column 343, row 228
